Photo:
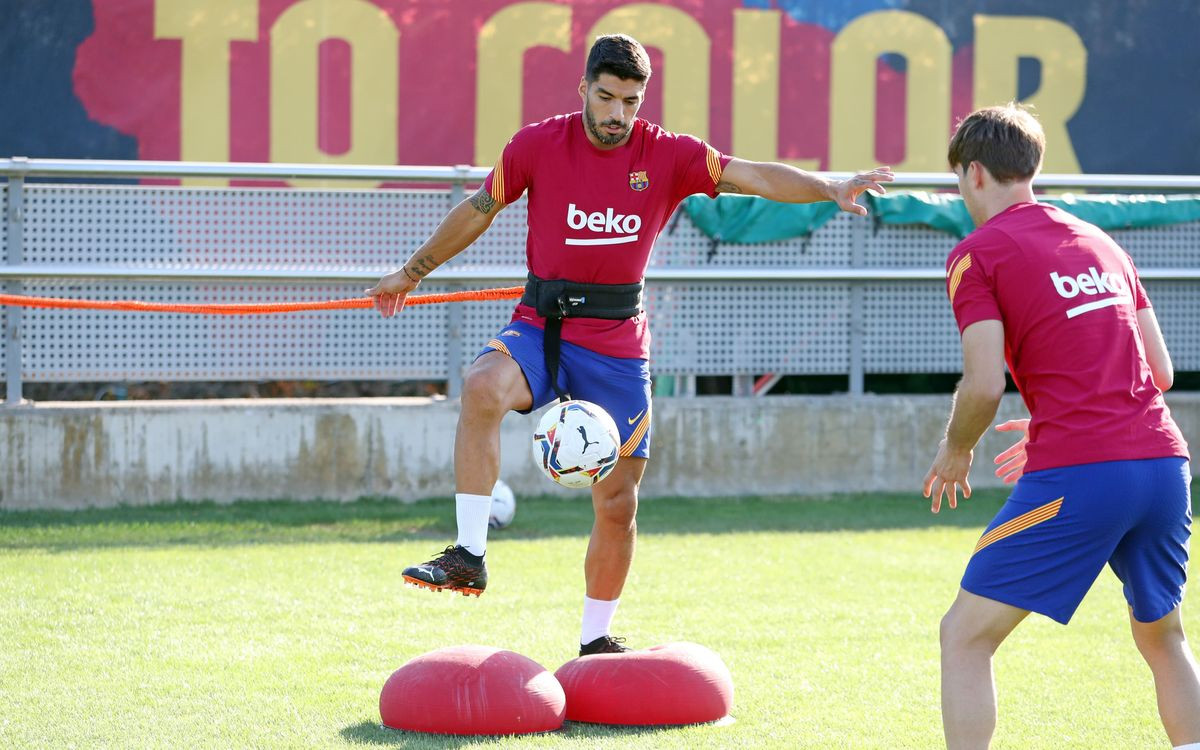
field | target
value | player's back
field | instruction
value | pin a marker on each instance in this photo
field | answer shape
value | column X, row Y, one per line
column 1068, row 296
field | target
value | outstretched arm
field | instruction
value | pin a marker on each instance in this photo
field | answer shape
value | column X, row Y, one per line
column 458, row 230
column 780, row 182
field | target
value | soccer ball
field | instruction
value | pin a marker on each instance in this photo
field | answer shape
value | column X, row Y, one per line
column 504, row 505
column 576, row 443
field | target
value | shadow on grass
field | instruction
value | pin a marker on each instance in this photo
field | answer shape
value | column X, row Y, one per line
column 373, row 733
column 388, row 521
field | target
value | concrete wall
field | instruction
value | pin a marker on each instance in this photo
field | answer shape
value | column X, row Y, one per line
column 72, row 455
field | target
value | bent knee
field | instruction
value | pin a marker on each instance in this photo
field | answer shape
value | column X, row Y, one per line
column 1159, row 638
column 619, row 509
column 957, row 634
column 494, row 386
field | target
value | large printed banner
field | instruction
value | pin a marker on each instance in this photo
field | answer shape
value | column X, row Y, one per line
column 824, row 84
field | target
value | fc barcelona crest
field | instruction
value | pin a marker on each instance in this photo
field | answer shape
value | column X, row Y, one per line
column 638, row 180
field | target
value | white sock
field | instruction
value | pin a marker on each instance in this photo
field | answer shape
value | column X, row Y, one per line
column 473, row 512
column 1189, row 746
column 597, row 618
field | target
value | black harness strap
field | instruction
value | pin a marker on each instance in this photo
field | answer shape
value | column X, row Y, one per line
column 552, row 349
column 558, row 298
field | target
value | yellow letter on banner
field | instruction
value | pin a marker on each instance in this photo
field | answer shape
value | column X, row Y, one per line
column 853, row 91
column 374, row 82
column 1000, row 43
column 756, row 63
column 685, row 48
column 206, row 27
column 500, row 70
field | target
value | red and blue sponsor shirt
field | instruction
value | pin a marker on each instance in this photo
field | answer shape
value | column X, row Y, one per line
column 594, row 214
column 1068, row 297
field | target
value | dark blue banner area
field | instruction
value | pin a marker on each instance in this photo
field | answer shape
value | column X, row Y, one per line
column 40, row 115
column 1140, row 113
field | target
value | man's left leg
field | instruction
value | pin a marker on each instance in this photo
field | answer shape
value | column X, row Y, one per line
column 610, row 553
column 622, row 388
column 970, row 633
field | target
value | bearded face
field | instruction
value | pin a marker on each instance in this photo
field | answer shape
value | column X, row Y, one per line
column 604, row 130
column 610, row 105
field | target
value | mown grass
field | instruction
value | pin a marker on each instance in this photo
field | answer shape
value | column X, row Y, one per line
column 275, row 624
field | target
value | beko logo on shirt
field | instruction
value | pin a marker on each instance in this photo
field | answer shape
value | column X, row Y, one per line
column 1091, row 284
column 609, row 222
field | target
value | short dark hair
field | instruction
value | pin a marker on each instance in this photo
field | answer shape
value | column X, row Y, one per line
column 1007, row 139
column 620, row 55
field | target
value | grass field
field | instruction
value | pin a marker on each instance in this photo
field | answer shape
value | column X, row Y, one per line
column 276, row 624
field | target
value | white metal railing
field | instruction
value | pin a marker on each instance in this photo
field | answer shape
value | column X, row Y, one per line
column 44, row 271
column 18, row 166
column 18, row 169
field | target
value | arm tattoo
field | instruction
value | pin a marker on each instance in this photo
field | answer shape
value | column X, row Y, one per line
column 422, row 267
column 483, row 201
column 727, row 187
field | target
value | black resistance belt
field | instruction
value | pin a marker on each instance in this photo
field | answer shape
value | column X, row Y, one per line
column 555, row 299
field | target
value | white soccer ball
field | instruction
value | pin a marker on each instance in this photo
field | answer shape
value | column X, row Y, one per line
column 504, row 505
column 576, row 443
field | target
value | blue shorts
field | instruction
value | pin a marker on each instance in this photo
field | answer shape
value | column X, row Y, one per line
column 618, row 385
column 1049, row 542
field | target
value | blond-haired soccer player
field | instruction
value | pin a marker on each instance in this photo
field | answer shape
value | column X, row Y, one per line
column 602, row 184
column 1102, row 474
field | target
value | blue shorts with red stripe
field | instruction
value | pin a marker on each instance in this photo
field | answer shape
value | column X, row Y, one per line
column 1053, row 536
column 618, row 385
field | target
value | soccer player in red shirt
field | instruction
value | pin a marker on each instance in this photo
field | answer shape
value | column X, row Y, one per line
column 1101, row 471
column 601, row 184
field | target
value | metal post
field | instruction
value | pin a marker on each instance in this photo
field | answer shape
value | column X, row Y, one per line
column 743, row 385
column 454, row 315
column 14, row 218
column 858, row 327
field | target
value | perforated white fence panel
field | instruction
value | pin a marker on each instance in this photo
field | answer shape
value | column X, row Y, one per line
column 744, row 328
column 1177, row 307
column 502, row 244
column 63, row 345
column 909, row 327
column 169, row 226
column 698, row 328
column 1174, row 246
column 682, row 245
column 904, row 246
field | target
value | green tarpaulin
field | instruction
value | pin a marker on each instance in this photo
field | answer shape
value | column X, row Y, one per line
column 742, row 219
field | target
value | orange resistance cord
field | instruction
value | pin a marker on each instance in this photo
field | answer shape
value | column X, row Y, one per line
column 237, row 308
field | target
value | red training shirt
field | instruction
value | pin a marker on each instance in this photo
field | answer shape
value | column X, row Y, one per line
column 1068, row 297
column 594, row 214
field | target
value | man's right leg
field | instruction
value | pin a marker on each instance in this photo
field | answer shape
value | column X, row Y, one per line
column 1165, row 648
column 494, row 385
column 971, row 631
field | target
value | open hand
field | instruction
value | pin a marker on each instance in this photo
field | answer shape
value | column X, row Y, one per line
column 846, row 192
column 391, row 291
column 1012, row 460
column 948, row 473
